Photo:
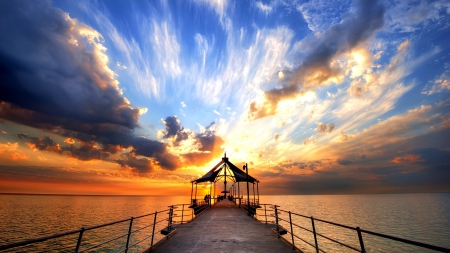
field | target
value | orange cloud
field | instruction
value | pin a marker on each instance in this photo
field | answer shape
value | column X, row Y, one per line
column 10, row 151
column 410, row 158
column 69, row 141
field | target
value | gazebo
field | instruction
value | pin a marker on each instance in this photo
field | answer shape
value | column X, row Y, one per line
column 228, row 172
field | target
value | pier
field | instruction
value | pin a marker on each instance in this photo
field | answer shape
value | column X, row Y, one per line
column 223, row 228
column 234, row 223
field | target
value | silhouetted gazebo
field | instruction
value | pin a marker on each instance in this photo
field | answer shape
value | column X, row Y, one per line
column 228, row 172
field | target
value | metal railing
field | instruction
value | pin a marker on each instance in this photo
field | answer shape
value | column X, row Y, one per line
column 151, row 227
column 278, row 218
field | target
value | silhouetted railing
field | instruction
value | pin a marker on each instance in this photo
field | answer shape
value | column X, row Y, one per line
column 151, row 231
column 276, row 214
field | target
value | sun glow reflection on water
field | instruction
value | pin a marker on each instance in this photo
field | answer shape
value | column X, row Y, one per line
column 420, row 217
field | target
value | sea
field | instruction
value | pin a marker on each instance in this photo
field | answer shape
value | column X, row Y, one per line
column 419, row 217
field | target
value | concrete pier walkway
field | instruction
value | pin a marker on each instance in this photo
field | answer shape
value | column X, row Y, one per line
column 224, row 228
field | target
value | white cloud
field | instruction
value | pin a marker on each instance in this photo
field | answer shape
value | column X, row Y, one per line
column 219, row 7
column 409, row 16
column 135, row 57
column 264, row 8
column 323, row 13
column 166, row 47
column 241, row 69
column 439, row 84
column 121, row 66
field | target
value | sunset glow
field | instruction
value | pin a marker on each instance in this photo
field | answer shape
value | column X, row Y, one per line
column 141, row 97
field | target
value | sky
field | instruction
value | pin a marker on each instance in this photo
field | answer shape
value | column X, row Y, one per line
column 141, row 97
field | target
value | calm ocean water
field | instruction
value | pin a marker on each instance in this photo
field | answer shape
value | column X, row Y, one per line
column 421, row 217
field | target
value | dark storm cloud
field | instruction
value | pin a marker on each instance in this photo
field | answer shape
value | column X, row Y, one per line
column 432, row 156
column 86, row 151
column 174, row 130
column 344, row 161
column 22, row 135
column 49, row 74
column 142, row 165
column 54, row 76
column 168, row 161
column 312, row 165
column 316, row 67
column 45, row 143
column 173, row 126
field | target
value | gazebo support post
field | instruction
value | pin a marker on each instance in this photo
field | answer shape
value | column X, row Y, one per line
column 248, row 191
column 192, row 190
column 196, row 185
column 257, row 190
column 209, row 200
column 239, row 193
column 225, row 182
column 254, row 194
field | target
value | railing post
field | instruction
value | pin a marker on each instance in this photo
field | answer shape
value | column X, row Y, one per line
column 276, row 221
column 361, row 242
column 292, row 231
column 265, row 212
column 79, row 240
column 182, row 214
column 315, row 235
column 153, row 232
column 129, row 234
column 169, row 226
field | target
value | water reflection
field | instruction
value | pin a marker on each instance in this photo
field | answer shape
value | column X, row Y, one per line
column 421, row 217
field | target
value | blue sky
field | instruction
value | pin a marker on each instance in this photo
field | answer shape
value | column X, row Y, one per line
column 319, row 97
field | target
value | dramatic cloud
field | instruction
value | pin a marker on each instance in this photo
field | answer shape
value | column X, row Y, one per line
column 45, row 143
column 319, row 66
column 55, row 77
column 356, row 90
column 131, row 161
column 52, row 47
column 174, row 131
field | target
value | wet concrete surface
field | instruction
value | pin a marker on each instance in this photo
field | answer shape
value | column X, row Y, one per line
column 223, row 228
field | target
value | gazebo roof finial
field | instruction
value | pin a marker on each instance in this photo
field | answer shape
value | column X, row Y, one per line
column 225, row 158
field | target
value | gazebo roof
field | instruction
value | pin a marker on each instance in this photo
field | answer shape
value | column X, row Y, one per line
column 238, row 174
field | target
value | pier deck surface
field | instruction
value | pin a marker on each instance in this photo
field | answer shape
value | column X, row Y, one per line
column 223, row 228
